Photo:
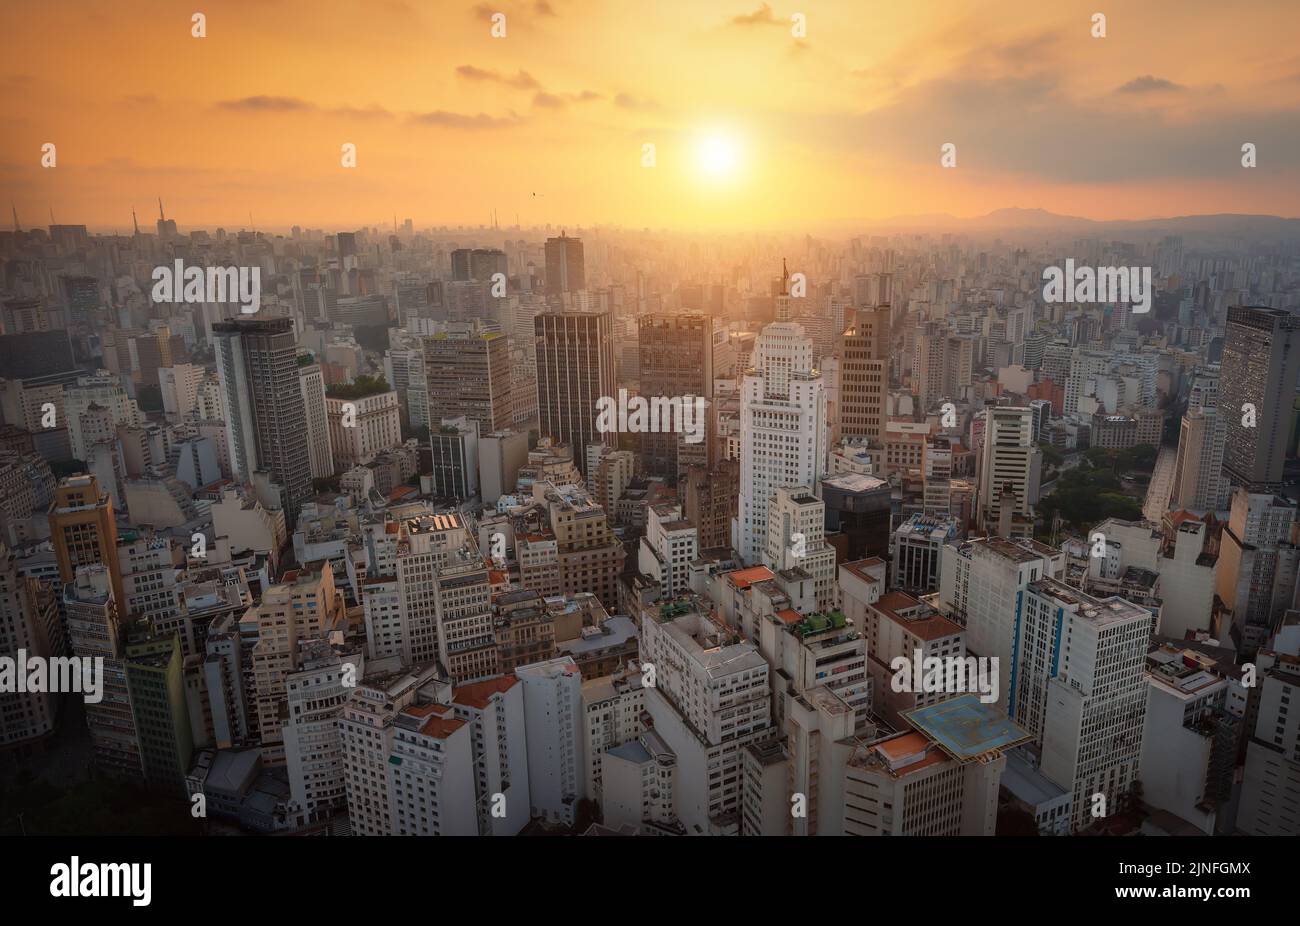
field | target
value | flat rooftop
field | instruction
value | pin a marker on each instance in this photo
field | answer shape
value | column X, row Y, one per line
column 1029, row 784
column 966, row 728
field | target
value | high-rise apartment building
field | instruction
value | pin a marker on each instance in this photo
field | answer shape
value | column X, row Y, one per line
column 1010, row 466
column 317, row 419
column 1199, row 482
column 29, row 623
column 156, row 686
column 1081, row 691
column 981, row 583
column 796, row 539
column 266, row 424
column 710, row 700
column 469, row 376
column 303, row 606
column 83, row 531
column 95, row 633
column 556, row 737
column 1257, row 569
column 1271, row 779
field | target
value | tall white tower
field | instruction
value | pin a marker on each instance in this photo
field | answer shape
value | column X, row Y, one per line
column 784, row 435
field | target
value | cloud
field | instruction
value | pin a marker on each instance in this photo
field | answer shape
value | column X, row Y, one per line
column 627, row 101
column 450, row 120
column 548, row 101
column 366, row 112
column 520, row 81
column 279, row 104
column 763, row 16
column 1148, row 84
column 1029, row 127
column 514, row 13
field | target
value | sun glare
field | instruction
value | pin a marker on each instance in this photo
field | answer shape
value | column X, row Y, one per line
column 717, row 156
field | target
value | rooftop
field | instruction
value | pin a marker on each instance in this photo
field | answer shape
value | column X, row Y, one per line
column 967, row 728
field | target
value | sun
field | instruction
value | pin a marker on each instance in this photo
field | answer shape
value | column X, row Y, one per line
column 717, row 156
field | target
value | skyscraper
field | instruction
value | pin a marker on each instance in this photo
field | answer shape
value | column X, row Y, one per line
column 565, row 268
column 676, row 359
column 1080, row 689
column 1009, row 462
column 863, row 354
column 266, row 418
column 1198, row 472
column 783, row 430
column 575, row 368
column 469, row 377
column 1261, row 360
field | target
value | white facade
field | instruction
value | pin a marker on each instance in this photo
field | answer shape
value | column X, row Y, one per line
column 313, row 742
column 494, row 709
column 318, row 426
column 981, row 583
column 431, row 773
column 1199, row 481
column 360, row 428
column 612, row 706
column 668, row 547
column 1009, row 460
column 783, row 428
column 796, row 538
column 709, row 700
column 553, row 718
column 1081, row 691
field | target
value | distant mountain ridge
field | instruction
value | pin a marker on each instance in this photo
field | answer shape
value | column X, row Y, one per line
column 1018, row 218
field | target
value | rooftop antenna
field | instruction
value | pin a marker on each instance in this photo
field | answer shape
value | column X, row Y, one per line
column 134, row 222
column 52, row 222
column 161, row 217
column 15, row 209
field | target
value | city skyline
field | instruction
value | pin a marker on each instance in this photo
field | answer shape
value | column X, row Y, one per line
column 584, row 418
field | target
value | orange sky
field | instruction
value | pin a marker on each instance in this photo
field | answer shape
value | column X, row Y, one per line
column 548, row 123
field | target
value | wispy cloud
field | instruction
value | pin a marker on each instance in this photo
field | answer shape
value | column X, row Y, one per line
column 1149, row 84
column 637, row 104
column 522, row 80
column 278, row 104
column 763, row 16
column 451, row 120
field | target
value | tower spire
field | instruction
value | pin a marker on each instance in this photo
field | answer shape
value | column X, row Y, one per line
column 135, row 222
column 15, row 209
column 161, row 217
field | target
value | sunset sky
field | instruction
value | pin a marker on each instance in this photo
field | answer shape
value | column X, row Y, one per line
column 752, row 127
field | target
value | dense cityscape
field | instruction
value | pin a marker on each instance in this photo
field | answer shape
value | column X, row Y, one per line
column 420, row 526
column 941, row 557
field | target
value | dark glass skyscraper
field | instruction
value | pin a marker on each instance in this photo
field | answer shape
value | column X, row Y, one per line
column 575, row 367
column 1261, row 361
